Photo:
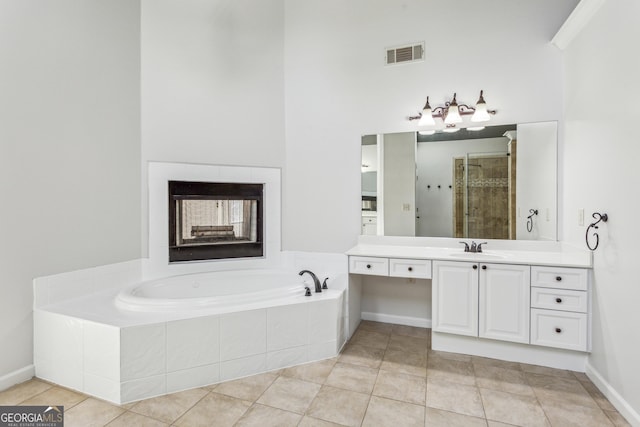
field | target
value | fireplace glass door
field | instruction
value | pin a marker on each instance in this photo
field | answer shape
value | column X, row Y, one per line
column 214, row 220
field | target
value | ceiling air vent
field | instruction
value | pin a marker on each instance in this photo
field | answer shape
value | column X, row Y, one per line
column 405, row 54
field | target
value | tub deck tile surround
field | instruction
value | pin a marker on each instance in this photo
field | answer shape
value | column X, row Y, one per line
column 126, row 364
column 327, row 397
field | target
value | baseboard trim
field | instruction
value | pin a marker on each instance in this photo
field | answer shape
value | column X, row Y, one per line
column 17, row 377
column 626, row 410
column 398, row 320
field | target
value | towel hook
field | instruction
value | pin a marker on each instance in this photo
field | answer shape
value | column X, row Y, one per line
column 530, row 219
column 599, row 217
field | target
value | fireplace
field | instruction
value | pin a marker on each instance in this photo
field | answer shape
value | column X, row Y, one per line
column 215, row 220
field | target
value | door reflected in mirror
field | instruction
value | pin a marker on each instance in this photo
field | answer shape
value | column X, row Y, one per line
column 469, row 184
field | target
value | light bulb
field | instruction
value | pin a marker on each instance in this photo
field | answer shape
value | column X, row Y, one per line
column 453, row 115
column 481, row 114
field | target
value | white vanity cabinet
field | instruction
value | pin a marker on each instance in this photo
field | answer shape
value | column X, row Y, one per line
column 560, row 307
column 503, row 302
column 393, row 267
column 454, row 296
column 481, row 300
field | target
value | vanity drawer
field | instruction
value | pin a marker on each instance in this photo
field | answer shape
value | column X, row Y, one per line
column 418, row 268
column 369, row 265
column 559, row 329
column 559, row 299
column 558, row 277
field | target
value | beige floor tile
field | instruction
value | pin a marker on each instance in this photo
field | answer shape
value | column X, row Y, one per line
column 91, row 412
column 383, row 412
column 339, row 406
column 383, row 328
column 501, row 379
column 56, row 396
column 265, row 416
column 491, row 423
column 476, row 360
column 581, row 376
column 23, row 391
column 597, row 395
column 562, row 414
column 214, row 409
column 290, row 394
column 405, row 363
column 170, row 407
column 617, row 419
column 411, row 331
column 370, row 339
column 550, row 389
column 405, row 343
column 451, row 370
column 249, row 388
column 314, row 422
column 543, row 370
column 460, row 398
column 360, row 355
column 447, row 355
column 513, row 408
column 439, row 418
column 316, row 372
column 407, row 388
column 130, row 419
column 352, row 377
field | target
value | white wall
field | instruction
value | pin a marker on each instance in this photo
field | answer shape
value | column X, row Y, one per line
column 536, row 176
column 212, row 83
column 337, row 89
column 69, row 138
column 435, row 167
column 600, row 172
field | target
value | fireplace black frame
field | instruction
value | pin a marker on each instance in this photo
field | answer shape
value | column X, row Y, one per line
column 192, row 190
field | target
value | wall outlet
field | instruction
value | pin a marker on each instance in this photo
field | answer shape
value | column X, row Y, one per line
column 581, row 217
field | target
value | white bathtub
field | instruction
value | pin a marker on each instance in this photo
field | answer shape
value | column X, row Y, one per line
column 223, row 291
column 166, row 335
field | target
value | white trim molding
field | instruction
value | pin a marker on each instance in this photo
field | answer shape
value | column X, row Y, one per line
column 625, row 409
column 17, row 377
column 395, row 319
column 579, row 18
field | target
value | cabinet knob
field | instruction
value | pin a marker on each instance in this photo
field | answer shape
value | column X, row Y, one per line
column 410, row 268
column 558, row 300
column 475, row 267
column 558, row 278
column 484, row 267
column 368, row 265
column 558, row 330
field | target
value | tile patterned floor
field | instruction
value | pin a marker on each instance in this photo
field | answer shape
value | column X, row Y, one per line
column 386, row 376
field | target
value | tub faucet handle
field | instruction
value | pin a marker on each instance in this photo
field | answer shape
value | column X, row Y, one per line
column 307, row 292
column 324, row 283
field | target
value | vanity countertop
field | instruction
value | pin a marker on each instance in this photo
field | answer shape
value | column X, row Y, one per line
column 560, row 258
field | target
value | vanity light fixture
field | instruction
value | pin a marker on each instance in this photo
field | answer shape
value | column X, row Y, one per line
column 452, row 112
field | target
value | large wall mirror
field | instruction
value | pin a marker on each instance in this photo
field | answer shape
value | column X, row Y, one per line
column 495, row 183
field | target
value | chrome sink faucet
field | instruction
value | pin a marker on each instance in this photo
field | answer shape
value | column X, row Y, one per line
column 316, row 281
column 474, row 248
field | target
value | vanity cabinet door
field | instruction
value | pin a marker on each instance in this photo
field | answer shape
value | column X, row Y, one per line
column 455, row 297
column 504, row 298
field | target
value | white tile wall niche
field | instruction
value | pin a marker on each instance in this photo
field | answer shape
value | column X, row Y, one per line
column 160, row 173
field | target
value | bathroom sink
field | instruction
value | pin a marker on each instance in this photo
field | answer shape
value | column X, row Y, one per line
column 477, row 255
